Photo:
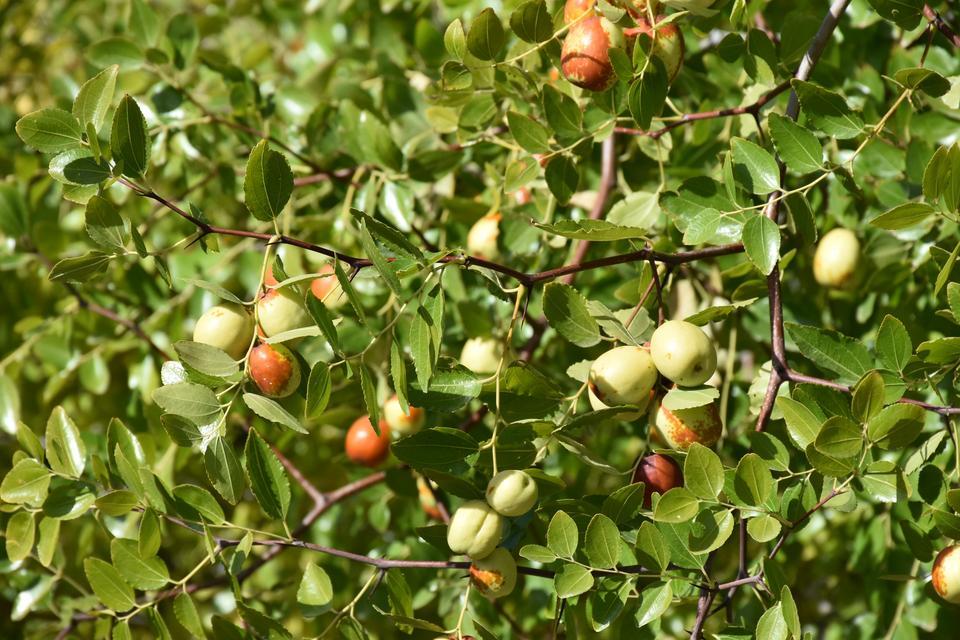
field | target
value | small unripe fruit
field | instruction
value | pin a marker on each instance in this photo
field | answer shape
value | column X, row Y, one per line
column 836, row 259
column 945, row 575
column 585, row 56
column 475, row 529
column 327, row 289
column 496, row 574
column 668, row 44
column 659, row 474
column 481, row 355
column 428, row 501
column 402, row 423
column 682, row 427
column 512, row 493
column 281, row 310
column 482, row 237
column 275, row 370
column 622, row 375
column 683, row 353
column 364, row 446
column 226, row 326
column 574, row 9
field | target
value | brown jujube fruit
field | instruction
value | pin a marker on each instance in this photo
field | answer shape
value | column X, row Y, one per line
column 585, row 56
column 364, row 446
column 659, row 474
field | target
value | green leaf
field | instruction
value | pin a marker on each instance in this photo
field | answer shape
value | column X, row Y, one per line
column 50, row 130
column 272, row 411
column 529, row 134
column 593, row 230
column 129, row 139
column 562, row 112
column 426, row 335
column 947, row 269
column 187, row 399
column 761, row 241
column 868, row 396
column 486, row 36
column 20, row 534
column 710, row 530
column 566, row 310
column 654, row 602
column 764, row 528
column 601, row 542
column 318, row 390
column 147, row 574
column 562, row 178
column 323, row 319
column 703, row 472
column 117, row 50
column 896, row 426
column 380, row 262
column 268, row 182
column 802, row 425
column 267, row 477
column 754, row 167
column 648, row 94
column 771, row 625
column 206, row 359
column 537, row 553
column 572, row 580
column 143, row 23
column 26, row 483
column 839, row 438
column 108, row 585
column 196, row 503
column 828, row 111
column 149, row 535
column 832, row 351
column 369, row 390
column 450, row 389
column 676, row 505
column 906, row 14
column 48, row 541
column 438, row 447
column 65, row 450
column 798, row 147
column 117, row 503
column 531, row 22
column 81, row 269
column 224, row 470
column 95, row 96
column 104, row 225
column 315, row 589
column 893, row 344
column 753, row 480
column 562, row 535
column 455, row 39
column 187, row 615
column 903, row 216
column 652, row 549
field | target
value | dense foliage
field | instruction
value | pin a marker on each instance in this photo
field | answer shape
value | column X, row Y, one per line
column 435, row 234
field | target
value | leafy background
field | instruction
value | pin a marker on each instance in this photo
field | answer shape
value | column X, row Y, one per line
column 383, row 131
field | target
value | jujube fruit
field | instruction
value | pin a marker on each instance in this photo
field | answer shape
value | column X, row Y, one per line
column 622, row 375
column 496, row 574
column 680, row 428
column 481, row 355
column 274, row 369
column 475, row 529
column 428, row 501
column 226, row 326
column 836, row 259
column 668, row 45
column 512, row 493
column 683, row 353
column 400, row 422
column 327, row 289
column 585, row 56
column 945, row 575
column 364, row 446
column 281, row 310
column 659, row 474
column 573, row 10
column 482, row 237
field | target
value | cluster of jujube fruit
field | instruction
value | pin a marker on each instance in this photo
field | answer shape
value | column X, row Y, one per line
column 585, row 56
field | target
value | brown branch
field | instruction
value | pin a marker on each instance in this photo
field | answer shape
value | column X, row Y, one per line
column 608, row 178
column 793, row 376
column 938, row 21
column 751, row 109
column 325, row 176
column 793, row 527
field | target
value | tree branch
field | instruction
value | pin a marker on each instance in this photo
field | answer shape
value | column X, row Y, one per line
column 937, row 21
column 608, row 178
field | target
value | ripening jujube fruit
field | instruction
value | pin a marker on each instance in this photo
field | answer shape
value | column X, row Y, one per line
column 327, row 288
column 945, row 574
column 428, row 501
column 274, row 369
column 400, row 422
column 683, row 353
column 668, row 45
column 281, row 310
column 475, row 529
column 512, row 493
column 680, row 428
column 364, row 446
column 836, row 259
column 496, row 574
column 622, row 375
column 482, row 237
column 574, row 9
column 585, row 56
column 481, row 355
column 659, row 474
column 225, row 326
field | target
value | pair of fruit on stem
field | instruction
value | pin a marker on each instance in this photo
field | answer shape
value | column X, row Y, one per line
column 476, row 529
